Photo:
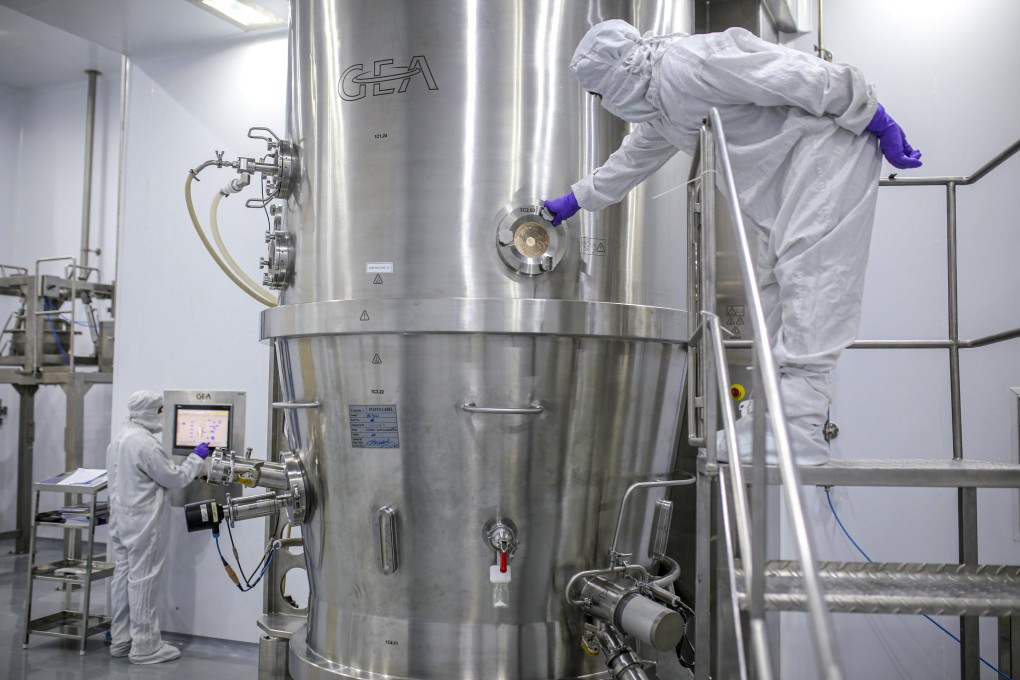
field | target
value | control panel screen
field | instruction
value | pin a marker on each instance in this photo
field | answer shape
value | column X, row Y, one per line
column 205, row 423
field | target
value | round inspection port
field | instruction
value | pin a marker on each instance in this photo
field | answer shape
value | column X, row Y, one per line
column 526, row 240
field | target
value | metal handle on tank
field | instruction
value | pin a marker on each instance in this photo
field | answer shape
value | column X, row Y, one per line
column 296, row 404
column 532, row 410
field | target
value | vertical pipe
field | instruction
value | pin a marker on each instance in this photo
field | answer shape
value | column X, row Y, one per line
column 970, row 640
column 706, row 477
column 970, row 664
column 86, row 203
column 821, row 45
column 74, row 449
column 125, row 80
column 26, row 451
column 954, row 321
column 708, row 286
column 703, row 574
column 759, row 525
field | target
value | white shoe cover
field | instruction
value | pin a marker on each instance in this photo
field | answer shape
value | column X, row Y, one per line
column 118, row 650
column 165, row 653
column 806, row 450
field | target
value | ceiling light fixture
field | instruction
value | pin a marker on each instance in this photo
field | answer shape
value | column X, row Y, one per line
column 246, row 14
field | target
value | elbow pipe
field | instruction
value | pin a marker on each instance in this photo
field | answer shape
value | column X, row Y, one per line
column 621, row 660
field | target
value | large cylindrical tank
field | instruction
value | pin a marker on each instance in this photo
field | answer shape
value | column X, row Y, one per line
column 462, row 379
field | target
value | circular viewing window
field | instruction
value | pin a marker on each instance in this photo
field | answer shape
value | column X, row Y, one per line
column 528, row 242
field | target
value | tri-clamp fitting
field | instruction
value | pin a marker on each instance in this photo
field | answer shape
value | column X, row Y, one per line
column 278, row 167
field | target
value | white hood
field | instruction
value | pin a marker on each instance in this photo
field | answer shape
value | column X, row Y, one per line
column 613, row 60
column 143, row 408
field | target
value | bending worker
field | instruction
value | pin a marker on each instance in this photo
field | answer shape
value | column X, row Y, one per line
column 802, row 142
column 140, row 475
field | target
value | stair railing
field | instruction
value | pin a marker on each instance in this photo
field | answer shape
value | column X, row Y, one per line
column 966, row 497
column 708, row 390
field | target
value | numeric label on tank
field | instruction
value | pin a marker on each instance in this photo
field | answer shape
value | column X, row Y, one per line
column 374, row 427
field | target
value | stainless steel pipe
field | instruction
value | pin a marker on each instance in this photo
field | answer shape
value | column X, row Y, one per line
column 86, row 201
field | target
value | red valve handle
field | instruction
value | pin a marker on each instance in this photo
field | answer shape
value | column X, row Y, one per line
column 502, row 562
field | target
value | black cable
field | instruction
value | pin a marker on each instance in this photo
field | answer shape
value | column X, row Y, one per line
column 265, row 555
column 680, row 653
column 685, row 611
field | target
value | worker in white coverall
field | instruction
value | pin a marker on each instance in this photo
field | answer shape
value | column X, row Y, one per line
column 802, row 142
column 140, row 475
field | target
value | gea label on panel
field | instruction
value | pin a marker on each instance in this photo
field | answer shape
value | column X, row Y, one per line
column 374, row 427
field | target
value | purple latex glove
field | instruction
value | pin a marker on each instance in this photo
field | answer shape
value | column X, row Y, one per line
column 202, row 450
column 563, row 208
column 893, row 142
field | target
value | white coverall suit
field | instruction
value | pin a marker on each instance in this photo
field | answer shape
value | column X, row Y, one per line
column 806, row 175
column 140, row 475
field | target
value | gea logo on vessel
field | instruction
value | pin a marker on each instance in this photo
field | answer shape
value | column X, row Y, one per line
column 355, row 80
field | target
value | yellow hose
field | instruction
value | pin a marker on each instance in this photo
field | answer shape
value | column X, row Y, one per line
column 214, row 225
column 258, row 295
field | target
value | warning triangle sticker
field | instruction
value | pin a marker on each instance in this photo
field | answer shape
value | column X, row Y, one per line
column 600, row 248
column 364, row 315
column 377, row 359
column 378, row 279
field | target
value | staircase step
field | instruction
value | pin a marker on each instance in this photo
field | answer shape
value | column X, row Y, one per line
column 905, row 473
column 895, row 588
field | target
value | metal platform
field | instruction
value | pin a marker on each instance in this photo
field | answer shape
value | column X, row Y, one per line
column 895, row 588
column 905, row 473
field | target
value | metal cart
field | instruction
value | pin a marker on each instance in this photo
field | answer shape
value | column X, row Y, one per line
column 70, row 572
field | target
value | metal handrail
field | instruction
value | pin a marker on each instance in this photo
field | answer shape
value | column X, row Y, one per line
column 767, row 375
column 998, row 160
column 614, row 555
column 953, row 344
column 967, row 498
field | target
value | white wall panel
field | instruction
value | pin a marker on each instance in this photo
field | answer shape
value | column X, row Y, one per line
column 182, row 323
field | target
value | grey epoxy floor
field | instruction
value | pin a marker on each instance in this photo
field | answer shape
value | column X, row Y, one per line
column 55, row 659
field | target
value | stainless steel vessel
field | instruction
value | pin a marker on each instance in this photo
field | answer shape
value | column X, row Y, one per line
column 480, row 386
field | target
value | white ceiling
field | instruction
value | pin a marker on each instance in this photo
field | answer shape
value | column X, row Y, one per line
column 49, row 42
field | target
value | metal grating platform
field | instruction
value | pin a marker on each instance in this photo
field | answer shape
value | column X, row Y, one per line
column 896, row 588
column 905, row 473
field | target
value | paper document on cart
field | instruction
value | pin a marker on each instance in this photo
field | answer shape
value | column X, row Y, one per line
column 84, row 477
